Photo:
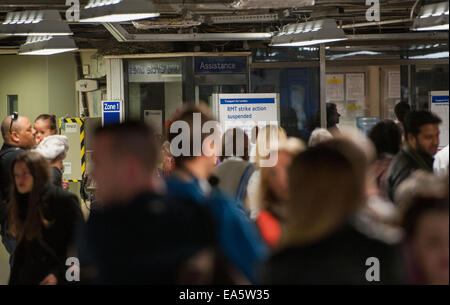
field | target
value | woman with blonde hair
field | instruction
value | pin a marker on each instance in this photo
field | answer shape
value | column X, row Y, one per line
column 325, row 241
column 273, row 192
column 268, row 137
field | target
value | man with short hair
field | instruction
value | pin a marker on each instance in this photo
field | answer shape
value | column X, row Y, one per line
column 422, row 141
column 239, row 238
column 18, row 135
column 135, row 236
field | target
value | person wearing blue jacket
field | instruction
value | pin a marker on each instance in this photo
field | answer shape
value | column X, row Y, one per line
column 239, row 238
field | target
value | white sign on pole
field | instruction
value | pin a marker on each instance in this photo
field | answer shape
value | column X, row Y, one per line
column 439, row 106
column 246, row 110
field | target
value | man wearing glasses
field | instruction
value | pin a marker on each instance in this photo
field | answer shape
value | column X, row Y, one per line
column 18, row 135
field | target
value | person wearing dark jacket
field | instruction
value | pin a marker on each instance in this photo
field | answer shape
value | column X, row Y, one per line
column 327, row 239
column 43, row 219
column 422, row 141
column 18, row 135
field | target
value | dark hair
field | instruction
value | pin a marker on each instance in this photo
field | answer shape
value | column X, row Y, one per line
column 25, row 215
column 135, row 139
column 401, row 110
column 187, row 115
column 416, row 119
column 387, row 137
column 419, row 206
column 232, row 139
column 48, row 117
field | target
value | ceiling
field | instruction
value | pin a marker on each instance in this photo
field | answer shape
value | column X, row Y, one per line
column 200, row 16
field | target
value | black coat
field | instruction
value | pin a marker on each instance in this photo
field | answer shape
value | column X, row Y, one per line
column 34, row 260
column 403, row 165
column 339, row 258
column 8, row 155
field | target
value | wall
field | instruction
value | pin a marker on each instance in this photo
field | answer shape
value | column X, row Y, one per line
column 376, row 101
column 44, row 84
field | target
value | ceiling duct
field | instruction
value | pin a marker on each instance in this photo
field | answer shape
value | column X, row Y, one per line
column 271, row 4
column 244, row 18
column 167, row 23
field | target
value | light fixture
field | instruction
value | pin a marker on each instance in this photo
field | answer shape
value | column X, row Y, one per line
column 47, row 45
column 432, row 17
column 308, row 33
column 34, row 23
column 118, row 10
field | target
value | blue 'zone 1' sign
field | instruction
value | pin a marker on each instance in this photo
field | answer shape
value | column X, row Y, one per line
column 111, row 112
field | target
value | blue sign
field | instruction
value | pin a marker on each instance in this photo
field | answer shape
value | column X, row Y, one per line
column 247, row 101
column 111, row 112
column 229, row 64
column 439, row 99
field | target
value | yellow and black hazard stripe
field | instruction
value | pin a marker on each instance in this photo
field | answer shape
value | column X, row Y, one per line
column 80, row 122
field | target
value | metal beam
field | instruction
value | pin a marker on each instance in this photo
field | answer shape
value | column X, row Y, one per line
column 123, row 36
column 323, row 87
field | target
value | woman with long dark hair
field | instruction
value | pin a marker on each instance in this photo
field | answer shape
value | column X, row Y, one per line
column 43, row 219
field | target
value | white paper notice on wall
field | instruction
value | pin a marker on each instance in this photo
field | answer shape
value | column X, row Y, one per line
column 440, row 106
column 67, row 168
column 70, row 127
column 355, row 89
column 394, row 85
column 335, row 87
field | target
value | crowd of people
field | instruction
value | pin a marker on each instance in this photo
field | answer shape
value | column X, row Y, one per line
column 329, row 204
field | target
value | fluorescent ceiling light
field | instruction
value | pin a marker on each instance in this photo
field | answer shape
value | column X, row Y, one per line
column 431, row 56
column 118, row 10
column 338, row 56
column 34, row 23
column 308, row 33
column 47, row 45
column 432, row 17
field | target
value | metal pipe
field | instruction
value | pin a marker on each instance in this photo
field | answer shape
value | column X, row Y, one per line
column 374, row 23
column 123, row 36
column 323, row 87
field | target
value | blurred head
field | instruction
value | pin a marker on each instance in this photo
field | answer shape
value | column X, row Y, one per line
column 45, row 125
column 387, row 138
column 424, row 208
column 167, row 163
column 326, row 187
column 195, row 138
column 274, row 181
column 125, row 157
column 422, row 131
column 401, row 110
column 17, row 131
column 31, row 172
column 318, row 136
column 235, row 142
column 332, row 115
column 267, row 143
